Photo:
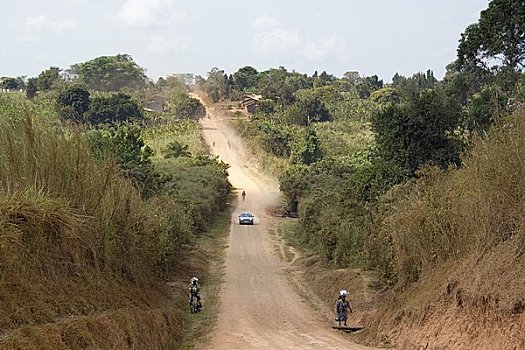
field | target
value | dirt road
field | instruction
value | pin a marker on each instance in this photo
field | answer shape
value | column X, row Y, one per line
column 259, row 309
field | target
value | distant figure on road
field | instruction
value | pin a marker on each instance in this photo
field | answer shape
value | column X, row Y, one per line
column 243, row 194
column 213, row 143
column 229, row 145
column 342, row 307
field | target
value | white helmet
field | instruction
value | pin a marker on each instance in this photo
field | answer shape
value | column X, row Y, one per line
column 343, row 293
column 194, row 279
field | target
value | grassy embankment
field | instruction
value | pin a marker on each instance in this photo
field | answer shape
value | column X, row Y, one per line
column 458, row 240
column 84, row 259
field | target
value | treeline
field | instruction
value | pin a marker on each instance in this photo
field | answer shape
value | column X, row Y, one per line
column 358, row 149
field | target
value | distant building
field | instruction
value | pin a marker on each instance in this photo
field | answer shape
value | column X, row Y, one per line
column 250, row 102
column 156, row 103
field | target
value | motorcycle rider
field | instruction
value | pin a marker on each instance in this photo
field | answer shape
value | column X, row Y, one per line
column 243, row 194
column 195, row 291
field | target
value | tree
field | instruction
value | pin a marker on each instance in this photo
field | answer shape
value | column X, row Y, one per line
column 189, row 108
column 281, row 85
column 176, row 149
column 414, row 133
column 113, row 109
column 324, row 79
column 352, row 77
column 266, row 106
column 367, row 85
column 410, row 88
column 110, row 73
column 245, row 78
column 484, row 108
column 216, row 86
column 73, row 102
column 9, row 83
column 308, row 149
column 499, row 36
column 293, row 183
column 125, row 144
column 307, row 109
column 274, row 139
column 31, row 87
column 385, row 95
column 48, row 79
column 21, row 82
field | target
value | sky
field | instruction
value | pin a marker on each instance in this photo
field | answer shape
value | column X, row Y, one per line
column 191, row 36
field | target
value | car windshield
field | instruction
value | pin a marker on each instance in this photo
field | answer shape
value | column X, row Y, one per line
column 246, row 215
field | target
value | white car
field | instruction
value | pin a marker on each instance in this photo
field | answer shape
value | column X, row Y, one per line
column 246, row 218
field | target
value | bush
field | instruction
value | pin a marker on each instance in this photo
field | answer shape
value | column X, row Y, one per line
column 189, row 108
column 124, row 143
column 73, row 102
column 113, row 109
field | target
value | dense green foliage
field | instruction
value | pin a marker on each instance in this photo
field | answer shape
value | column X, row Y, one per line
column 496, row 39
column 124, row 143
column 176, row 149
column 48, row 79
column 11, row 83
column 110, row 73
column 189, row 108
column 112, row 109
column 416, row 133
column 73, row 102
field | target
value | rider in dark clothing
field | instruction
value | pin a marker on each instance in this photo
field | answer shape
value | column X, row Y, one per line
column 195, row 291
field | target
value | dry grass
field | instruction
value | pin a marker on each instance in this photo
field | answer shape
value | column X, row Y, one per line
column 458, row 243
column 79, row 248
column 450, row 215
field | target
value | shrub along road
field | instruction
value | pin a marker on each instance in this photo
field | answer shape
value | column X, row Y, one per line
column 259, row 309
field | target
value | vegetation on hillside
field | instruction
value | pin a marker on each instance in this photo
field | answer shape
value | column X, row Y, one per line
column 94, row 220
column 356, row 146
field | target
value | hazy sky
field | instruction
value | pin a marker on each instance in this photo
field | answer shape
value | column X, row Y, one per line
column 174, row 36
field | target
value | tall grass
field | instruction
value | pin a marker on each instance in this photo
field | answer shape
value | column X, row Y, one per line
column 83, row 257
column 450, row 215
column 56, row 199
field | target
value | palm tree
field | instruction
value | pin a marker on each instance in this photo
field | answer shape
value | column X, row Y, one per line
column 176, row 149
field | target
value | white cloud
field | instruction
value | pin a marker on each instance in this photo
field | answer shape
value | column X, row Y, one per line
column 265, row 21
column 160, row 45
column 149, row 13
column 277, row 40
column 271, row 38
column 35, row 26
